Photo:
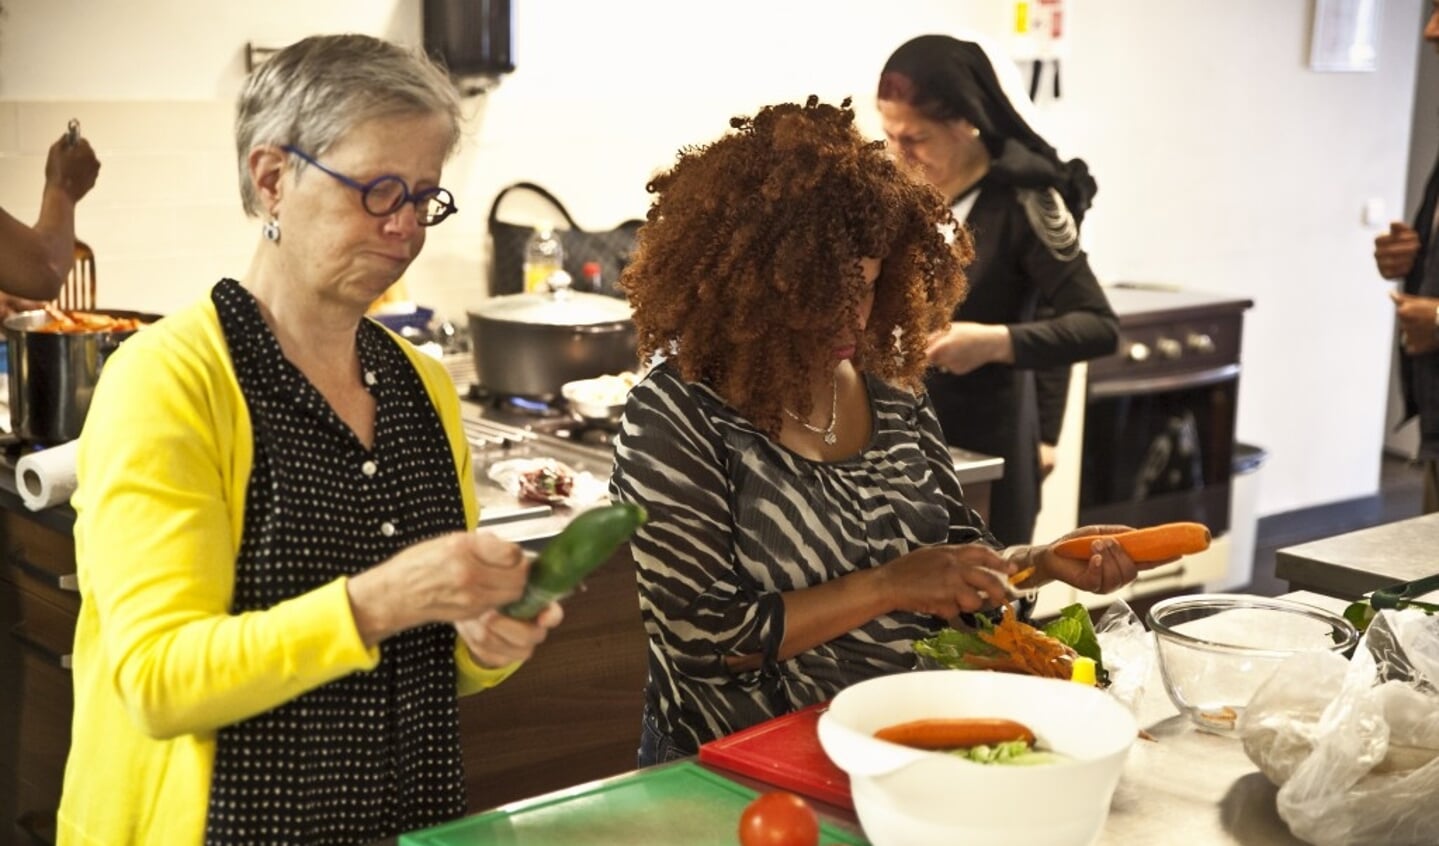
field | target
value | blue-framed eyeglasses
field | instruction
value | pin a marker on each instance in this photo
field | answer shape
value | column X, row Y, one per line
column 384, row 195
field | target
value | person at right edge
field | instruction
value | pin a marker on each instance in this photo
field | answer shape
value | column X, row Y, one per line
column 1407, row 253
column 1034, row 304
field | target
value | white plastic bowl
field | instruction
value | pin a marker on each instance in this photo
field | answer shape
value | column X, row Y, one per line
column 907, row 797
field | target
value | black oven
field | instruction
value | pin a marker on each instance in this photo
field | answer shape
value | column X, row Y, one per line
column 1159, row 416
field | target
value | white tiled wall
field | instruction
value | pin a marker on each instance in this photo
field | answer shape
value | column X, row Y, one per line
column 1224, row 163
column 164, row 216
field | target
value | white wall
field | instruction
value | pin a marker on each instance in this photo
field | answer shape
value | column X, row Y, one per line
column 1223, row 163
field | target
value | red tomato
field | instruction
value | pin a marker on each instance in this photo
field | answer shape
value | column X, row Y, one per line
column 778, row 818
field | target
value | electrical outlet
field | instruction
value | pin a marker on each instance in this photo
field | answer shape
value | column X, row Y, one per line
column 1375, row 214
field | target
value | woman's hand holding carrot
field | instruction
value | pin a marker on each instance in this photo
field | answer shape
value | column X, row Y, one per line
column 1107, row 568
column 1159, row 544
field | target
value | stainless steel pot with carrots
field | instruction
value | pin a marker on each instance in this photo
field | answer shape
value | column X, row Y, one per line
column 55, row 359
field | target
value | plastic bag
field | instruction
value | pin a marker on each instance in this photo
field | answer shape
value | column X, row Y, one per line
column 1354, row 745
column 1128, row 650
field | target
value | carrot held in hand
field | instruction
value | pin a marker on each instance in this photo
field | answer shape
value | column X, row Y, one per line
column 1145, row 546
column 955, row 733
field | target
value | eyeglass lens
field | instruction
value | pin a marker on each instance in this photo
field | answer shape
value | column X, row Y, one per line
column 385, row 195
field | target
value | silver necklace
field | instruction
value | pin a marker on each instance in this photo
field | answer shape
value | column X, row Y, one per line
column 827, row 432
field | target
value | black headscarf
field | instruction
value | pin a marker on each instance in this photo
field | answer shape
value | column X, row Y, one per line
column 947, row 79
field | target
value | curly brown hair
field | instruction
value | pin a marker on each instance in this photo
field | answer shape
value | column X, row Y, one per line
column 749, row 260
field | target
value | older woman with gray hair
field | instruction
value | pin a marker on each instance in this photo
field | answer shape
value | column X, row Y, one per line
column 282, row 595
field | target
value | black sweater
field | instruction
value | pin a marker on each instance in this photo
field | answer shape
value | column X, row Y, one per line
column 994, row 409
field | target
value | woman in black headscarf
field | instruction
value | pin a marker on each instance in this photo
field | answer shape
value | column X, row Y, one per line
column 1034, row 304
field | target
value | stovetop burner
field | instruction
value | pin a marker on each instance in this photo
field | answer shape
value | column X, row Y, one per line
column 544, row 415
column 528, row 405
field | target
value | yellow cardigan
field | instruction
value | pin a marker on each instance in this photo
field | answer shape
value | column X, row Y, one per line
column 160, row 663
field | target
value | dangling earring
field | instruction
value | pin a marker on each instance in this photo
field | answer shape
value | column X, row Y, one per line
column 271, row 230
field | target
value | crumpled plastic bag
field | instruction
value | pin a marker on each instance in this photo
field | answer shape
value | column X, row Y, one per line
column 1128, row 651
column 1353, row 745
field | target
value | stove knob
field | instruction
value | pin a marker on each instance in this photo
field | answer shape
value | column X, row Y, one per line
column 1168, row 348
column 1200, row 343
column 1138, row 351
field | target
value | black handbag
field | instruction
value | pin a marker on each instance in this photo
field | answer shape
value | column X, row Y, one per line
column 610, row 249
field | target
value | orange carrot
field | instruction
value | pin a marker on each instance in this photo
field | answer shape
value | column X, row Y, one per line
column 1021, row 575
column 957, row 733
column 1156, row 543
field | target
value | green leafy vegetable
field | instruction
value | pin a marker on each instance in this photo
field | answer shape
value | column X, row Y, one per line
column 1074, row 629
column 952, row 647
column 1015, row 753
column 1361, row 614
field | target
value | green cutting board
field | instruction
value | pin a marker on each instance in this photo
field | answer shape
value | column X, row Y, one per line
column 674, row 804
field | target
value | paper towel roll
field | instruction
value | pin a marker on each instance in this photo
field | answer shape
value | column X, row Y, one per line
column 47, row 477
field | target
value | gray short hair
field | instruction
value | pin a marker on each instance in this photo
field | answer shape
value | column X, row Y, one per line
column 315, row 91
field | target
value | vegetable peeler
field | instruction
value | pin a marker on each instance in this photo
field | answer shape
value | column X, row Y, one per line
column 1398, row 596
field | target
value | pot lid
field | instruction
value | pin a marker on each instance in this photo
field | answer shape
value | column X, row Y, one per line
column 555, row 308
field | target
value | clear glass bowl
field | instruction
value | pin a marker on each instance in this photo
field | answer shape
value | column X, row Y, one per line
column 1215, row 650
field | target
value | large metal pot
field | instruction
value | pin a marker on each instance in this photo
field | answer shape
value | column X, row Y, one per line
column 53, row 374
column 532, row 344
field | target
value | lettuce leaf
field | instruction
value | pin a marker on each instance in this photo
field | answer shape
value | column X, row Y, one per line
column 950, row 647
column 1073, row 628
column 1014, row 753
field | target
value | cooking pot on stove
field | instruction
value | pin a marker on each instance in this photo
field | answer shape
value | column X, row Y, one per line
column 53, row 374
column 531, row 344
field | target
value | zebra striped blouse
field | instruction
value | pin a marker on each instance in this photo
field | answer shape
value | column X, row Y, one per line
column 736, row 520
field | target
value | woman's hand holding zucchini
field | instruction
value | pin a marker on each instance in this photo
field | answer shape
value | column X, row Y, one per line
column 453, row 577
column 495, row 640
column 587, row 542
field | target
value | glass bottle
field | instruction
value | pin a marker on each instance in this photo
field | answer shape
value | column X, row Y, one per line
column 544, row 254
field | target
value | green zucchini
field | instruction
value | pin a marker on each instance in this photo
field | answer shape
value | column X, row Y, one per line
column 586, row 543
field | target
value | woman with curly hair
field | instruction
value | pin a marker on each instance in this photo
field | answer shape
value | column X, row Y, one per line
column 806, row 524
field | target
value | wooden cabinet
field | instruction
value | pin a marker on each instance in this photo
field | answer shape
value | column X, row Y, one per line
column 38, row 607
column 572, row 713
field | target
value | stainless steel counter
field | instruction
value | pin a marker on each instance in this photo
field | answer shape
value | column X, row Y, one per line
column 1353, row 564
column 1190, row 786
column 974, row 467
column 525, row 523
column 1184, row 787
column 530, row 525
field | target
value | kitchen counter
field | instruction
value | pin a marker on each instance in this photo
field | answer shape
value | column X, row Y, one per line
column 973, row 467
column 497, row 438
column 1185, row 786
column 1353, row 564
column 527, row 524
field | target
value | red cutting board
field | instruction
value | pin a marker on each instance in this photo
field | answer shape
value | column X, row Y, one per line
column 784, row 752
